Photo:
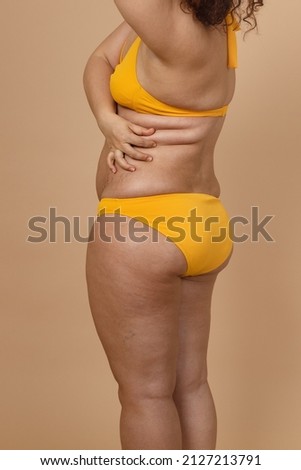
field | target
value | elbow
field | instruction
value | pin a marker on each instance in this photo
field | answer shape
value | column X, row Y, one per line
column 84, row 77
column 86, row 72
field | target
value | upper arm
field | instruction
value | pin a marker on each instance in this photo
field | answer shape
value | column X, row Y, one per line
column 111, row 46
column 152, row 20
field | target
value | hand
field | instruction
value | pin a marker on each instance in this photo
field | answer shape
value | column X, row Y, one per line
column 122, row 136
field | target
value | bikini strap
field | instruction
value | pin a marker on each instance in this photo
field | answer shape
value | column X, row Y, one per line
column 232, row 27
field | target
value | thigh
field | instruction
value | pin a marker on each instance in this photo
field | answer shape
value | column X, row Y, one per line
column 194, row 328
column 134, row 295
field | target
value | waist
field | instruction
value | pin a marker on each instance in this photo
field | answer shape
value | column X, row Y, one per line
column 169, row 172
column 182, row 160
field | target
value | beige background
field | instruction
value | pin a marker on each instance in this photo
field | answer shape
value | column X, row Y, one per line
column 57, row 391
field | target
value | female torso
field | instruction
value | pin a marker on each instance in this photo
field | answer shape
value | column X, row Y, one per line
column 196, row 77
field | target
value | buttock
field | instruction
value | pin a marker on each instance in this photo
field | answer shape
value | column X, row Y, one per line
column 197, row 223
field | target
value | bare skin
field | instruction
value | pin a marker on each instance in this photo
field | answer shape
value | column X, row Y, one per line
column 182, row 161
column 154, row 323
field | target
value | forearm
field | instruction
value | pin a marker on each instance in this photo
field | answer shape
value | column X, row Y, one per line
column 122, row 137
column 96, row 80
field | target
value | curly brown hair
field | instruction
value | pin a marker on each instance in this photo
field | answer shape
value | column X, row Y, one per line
column 214, row 12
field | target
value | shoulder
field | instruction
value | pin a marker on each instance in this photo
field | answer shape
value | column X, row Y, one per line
column 112, row 45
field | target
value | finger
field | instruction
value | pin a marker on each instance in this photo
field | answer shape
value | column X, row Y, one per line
column 142, row 142
column 122, row 161
column 139, row 130
column 111, row 160
column 132, row 152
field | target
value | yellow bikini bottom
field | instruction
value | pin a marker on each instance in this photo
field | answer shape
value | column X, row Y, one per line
column 197, row 223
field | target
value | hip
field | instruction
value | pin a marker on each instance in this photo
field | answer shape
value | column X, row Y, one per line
column 198, row 223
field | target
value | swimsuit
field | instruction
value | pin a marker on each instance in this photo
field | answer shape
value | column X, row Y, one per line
column 197, row 223
column 128, row 92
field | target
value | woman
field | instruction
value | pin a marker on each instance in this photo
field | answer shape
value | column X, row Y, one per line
column 159, row 86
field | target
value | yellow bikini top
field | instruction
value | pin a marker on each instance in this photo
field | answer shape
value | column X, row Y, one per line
column 127, row 91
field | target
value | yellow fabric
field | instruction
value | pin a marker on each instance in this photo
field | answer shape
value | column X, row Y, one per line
column 232, row 27
column 127, row 91
column 197, row 223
